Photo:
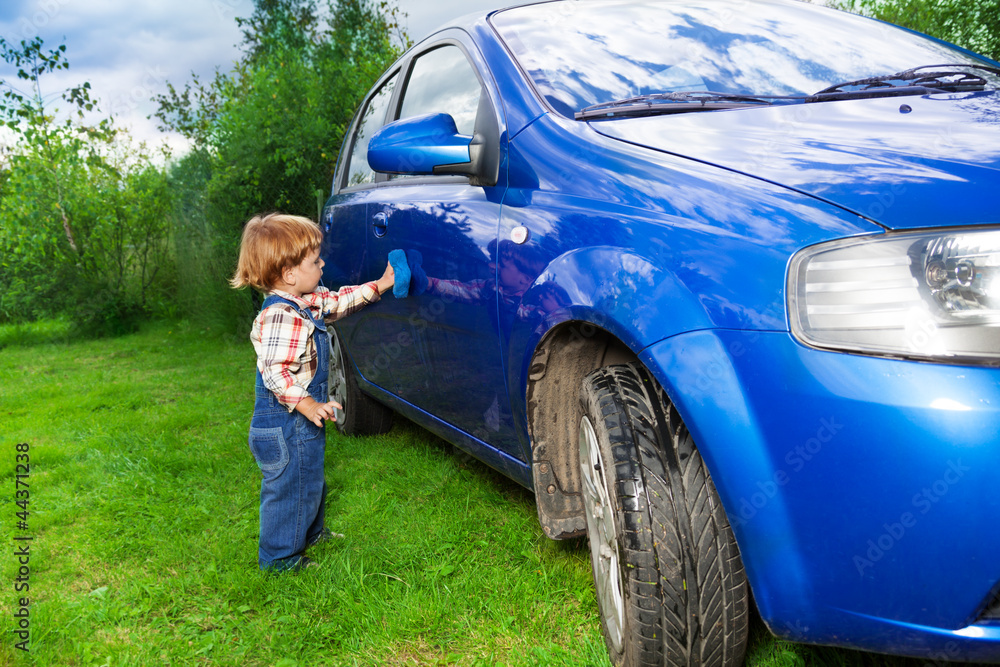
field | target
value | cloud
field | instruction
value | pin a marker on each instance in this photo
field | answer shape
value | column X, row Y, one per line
column 114, row 33
column 129, row 49
column 12, row 9
column 423, row 17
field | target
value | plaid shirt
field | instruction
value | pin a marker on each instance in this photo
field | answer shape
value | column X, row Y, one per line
column 286, row 354
column 476, row 291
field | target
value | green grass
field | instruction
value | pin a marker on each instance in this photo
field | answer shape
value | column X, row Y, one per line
column 143, row 511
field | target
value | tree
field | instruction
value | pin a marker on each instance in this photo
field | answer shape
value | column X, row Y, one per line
column 84, row 211
column 279, row 25
column 274, row 125
column 973, row 25
column 270, row 130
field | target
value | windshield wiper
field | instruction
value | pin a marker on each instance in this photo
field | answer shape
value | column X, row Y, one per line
column 946, row 78
column 663, row 103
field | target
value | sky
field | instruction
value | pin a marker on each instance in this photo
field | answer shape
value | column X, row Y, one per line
column 129, row 49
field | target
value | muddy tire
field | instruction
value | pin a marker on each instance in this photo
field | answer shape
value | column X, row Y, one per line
column 362, row 415
column 670, row 584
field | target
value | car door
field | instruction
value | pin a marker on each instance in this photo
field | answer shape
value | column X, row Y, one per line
column 443, row 340
column 345, row 234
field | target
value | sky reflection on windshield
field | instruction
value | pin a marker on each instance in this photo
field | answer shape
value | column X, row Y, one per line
column 585, row 53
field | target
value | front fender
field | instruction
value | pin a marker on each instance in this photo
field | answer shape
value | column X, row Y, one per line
column 857, row 494
column 621, row 291
column 698, row 374
column 608, row 288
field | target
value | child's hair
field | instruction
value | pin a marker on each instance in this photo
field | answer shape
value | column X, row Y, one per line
column 526, row 258
column 270, row 244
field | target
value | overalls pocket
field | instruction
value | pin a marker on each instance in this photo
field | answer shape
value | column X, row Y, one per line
column 268, row 448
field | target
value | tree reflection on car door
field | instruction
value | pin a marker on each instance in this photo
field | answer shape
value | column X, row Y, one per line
column 442, row 342
column 346, row 233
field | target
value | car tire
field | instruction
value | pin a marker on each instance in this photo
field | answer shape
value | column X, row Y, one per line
column 670, row 583
column 361, row 414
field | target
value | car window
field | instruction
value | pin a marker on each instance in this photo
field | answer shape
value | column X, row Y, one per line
column 371, row 121
column 443, row 80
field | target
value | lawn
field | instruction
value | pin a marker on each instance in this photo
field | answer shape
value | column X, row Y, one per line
column 142, row 516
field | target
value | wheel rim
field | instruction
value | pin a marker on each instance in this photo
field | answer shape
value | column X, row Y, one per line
column 337, row 377
column 601, row 530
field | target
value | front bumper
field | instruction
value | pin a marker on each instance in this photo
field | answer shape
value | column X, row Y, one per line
column 862, row 491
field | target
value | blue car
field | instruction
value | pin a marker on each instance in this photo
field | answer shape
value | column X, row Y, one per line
column 720, row 282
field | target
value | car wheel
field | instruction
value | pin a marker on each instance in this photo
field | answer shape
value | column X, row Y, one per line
column 671, row 589
column 362, row 415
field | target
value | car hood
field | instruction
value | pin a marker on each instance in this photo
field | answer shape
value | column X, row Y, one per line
column 904, row 162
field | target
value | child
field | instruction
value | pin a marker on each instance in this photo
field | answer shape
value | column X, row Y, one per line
column 279, row 255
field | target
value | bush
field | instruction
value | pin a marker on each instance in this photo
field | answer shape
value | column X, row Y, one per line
column 85, row 212
column 267, row 134
column 973, row 25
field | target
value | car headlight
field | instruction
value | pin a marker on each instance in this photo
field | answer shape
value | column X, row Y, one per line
column 928, row 295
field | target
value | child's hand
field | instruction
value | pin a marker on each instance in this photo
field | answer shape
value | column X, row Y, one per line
column 387, row 280
column 317, row 412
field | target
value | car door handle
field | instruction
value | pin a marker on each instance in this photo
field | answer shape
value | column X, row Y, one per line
column 380, row 224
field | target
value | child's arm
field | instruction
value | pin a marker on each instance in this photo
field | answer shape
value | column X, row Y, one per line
column 281, row 343
column 387, row 280
column 317, row 412
column 352, row 298
column 467, row 292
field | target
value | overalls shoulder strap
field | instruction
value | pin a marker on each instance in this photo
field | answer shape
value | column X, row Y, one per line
column 304, row 312
column 318, row 386
column 274, row 298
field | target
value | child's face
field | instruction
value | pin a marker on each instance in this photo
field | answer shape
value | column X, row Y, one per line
column 513, row 280
column 307, row 274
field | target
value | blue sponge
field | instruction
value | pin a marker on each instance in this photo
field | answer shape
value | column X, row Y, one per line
column 401, row 287
column 418, row 277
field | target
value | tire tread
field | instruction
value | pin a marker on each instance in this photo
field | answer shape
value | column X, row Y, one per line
column 686, row 589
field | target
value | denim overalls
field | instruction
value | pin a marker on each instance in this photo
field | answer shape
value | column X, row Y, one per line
column 289, row 450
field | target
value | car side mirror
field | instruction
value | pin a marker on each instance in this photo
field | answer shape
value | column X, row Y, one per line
column 419, row 145
column 431, row 144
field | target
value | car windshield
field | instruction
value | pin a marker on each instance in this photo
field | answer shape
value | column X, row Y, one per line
column 581, row 54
